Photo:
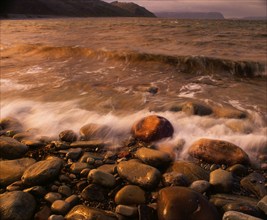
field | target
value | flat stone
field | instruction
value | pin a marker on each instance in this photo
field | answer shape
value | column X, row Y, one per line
column 93, row 193
column 12, row 170
column 17, row 205
column 227, row 112
column 102, row 178
column 182, row 203
column 42, row 171
column 83, row 212
column 52, row 197
column 200, row 186
column 11, row 148
column 233, row 215
column 219, row 152
column 242, row 207
column 138, row 173
column 130, row 195
column 153, row 157
column 37, row 191
column 31, row 143
column 16, row 186
column 152, row 128
column 128, row 211
column 68, row 136
column 93, row 131
column 23, row 135
column 238, row 170
column 65, row 190
column 91, row 145
column 74, row 153
column 108, row 168
column 60, row 207
column 221, row 180
column 262, row 204
column 190, row 170
column 254, row 183
column 78, row 167
column 193, row 108
column 73, row 200
column 87, row 155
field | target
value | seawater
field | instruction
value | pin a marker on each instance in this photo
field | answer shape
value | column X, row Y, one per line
column 59, row 74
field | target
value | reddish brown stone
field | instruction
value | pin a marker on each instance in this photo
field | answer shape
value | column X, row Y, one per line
column 219, row 152
column 152, row 128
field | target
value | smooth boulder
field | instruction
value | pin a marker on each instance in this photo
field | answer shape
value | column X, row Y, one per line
column 219, row 152
column 152, row 128
column 180, row 203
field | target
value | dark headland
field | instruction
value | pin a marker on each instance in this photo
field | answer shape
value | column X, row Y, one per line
column 70, row 8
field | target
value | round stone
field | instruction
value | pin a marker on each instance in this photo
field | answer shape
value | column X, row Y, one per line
column 174, row 179
column 200, row 186
column 65, row 190
column 52, row 196
column 102, row 178
column 221, row 180
column 130, row 195
column 68, row 136
column 60, row 207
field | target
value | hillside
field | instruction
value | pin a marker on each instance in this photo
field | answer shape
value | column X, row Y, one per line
column 68, row 8
column 190, row 15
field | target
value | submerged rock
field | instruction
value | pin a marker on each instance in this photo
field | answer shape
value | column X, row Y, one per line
column 175, row 203
column 68, row 136
column 227, row 112
column 11, row 124
column 219, row 152
column 93, row 131
column 12, row 170
column 192, row 108
column 138, row 173
column 42, row 171
column 152, row 128
column 11, row 148
column 17, row 205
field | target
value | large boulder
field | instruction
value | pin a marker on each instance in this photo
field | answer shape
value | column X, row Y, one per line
column 180, row 203
column 138, row 173
column 219, row 152
column 42, row 171
column 17, row 205
column 12, row 170
column 83, row 212
column 11, row 148
column 152, row 128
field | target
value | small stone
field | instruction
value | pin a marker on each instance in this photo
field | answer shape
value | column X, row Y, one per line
column 191, row 108
column 11, row 148
column 77, row 167
column 10, row 123
column 65, row 190
column 130, row 195
column 81, row 185
column 64, row 178
column 85, row 172
column 102, row 178
column 174, row 179
column 200, row 186
column 233, row 215
column 128, row 211
column 72, row 200
column 68, row 136
column 52, row 196
column 90, row 160
column 221, row 180
column 86, row 155
column 17, row 205
column 242, row 207
column 56, row 217
column 60, row 207
column 91, row 145
column 146, row 212
column 108, row 168
column 32, row 143
column 74, row 153
column 254, row 183
column 214, row 167
column 262, row 204
column 238, row 170
column 16, row 186
column 43, row 214
column 54, row 188
column 98, row 163
column 37, row 191
column 93, row 193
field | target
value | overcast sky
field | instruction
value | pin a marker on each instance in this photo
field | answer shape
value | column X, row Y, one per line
column 230, row 8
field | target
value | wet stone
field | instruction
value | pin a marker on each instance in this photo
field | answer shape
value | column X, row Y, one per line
column 74, row 153
column 85, row 172
column 238, row 170
column 93, row 193
column 52, row 196
column 101, row 178
column 42, row 171
column 221, row 180
column 32, row 143
column 130, row 195
column 60, row 207
column 72, row 200
column 91, row 145
column 242, row 207
column 56, row 217
column 191, row 108
column 174, row 179
column 68, row 136
column 138, row 173
column 12, row 170
column 43, row 214
column 77, row 167
column 146, row 213
column 93, row 131
column 11, row 148
column 108, row 168
column 182, row 203
column 233, row 215
column 10, row 123
column 129, row 211
column 262, row 204
column 17, row 205
column 16, row 186
column 37, row 191
column 94, row 156
column 153, row 157
column 200, row 186
column 64, row 190
column 254, row 183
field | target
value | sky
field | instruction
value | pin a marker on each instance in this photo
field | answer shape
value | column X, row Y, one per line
column 229, row 8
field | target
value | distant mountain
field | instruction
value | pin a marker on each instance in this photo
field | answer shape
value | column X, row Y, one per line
column 263, row 18
column 190, row 15
column 69, row 8
column 133, row 9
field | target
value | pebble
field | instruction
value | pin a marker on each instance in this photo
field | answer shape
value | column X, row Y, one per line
column 43, row 214
column 262, row 204
column 138, row 173
column 102, row 178
column 93, row 193
column 146, row 212
column 74, row 153
column 56, row 217
column 85, row 172
column 60, row 207
column 11, row 148
column 233, row 215
column 32, row 143
column 90, row 160
column 7, row 175
column 200, row 186
column 42, row 171
column 92, row 145
column 68, row 136
column 72, row 200
column 17, row 205
column 242, row 207
column 52, row 196
column 130, row 195
column 174, row 179
column 108, row 168
column 182, row 203
column 238, row 170
column 128, row 211
column 65, row 190
column 37, row 191
column 153, row 157
column 77, row 167
column 16, row 186
column 221, row 180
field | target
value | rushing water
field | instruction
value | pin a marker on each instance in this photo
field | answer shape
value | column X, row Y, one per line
column 59, row 74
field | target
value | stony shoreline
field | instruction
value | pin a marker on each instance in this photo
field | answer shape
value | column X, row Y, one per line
column 81, row 177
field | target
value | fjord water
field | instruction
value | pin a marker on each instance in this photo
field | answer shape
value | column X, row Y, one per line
column 59, row 74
